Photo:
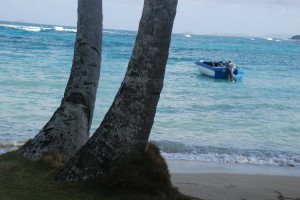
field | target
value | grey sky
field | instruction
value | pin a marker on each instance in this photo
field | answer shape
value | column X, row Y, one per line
column 229, row 17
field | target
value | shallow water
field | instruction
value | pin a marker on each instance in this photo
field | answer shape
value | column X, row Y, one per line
column 254, row 121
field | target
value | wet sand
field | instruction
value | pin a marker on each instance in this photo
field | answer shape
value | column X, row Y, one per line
column 213, row 181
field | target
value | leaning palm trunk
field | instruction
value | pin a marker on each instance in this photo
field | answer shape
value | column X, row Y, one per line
column 69, row 127
column 126, row 126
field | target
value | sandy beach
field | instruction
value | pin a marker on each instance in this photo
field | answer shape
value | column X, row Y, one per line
column 212, row 181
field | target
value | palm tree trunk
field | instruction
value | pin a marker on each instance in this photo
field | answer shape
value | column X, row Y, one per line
column 127, row 125
column 69, row 127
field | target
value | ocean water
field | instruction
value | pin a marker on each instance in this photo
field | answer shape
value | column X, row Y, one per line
column 254, row 121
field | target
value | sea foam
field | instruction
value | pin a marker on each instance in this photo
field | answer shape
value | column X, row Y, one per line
column 39, row 28
column 179, row 151
column 60, row 28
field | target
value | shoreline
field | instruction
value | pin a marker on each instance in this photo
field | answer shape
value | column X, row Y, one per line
column 200, row 167
column 226, row 181
column 194, row 166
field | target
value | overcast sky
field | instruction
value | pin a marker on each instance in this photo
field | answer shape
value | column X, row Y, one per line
column 227, row 17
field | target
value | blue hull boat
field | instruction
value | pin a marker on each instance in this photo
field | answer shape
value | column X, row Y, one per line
column 217, row 69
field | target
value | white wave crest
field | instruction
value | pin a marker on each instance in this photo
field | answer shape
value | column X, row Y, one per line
column 8, row 25
column 179, row 151
column 2, row 151
column 25, row 28
column 9, row 147
column 31, row 28
column 60, row 28
column 38, row 29
column 188, row 36
column 71, row 30
column 232, row 158
column 109, row 31
column 46, row 29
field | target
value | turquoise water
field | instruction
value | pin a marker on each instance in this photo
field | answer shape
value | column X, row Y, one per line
column 255, row 121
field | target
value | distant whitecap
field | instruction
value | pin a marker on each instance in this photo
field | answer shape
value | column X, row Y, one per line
column 71, row 30
column 9, row 26
column 58, row 28
column 31, row 28
column 26, row 28
column 109, row 31
column 46, row 29
column 270, row 39
column 188, row 36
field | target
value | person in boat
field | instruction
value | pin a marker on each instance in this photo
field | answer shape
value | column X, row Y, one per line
column 230, row 67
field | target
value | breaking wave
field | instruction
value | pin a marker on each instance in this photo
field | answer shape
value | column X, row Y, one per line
column 40, row 28
column 179, row 151
column 9, row 147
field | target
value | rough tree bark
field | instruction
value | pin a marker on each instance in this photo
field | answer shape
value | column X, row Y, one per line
column 68, row 129
column 126, row 126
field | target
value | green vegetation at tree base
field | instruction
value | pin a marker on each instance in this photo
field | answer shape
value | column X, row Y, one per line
column 134, row 177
